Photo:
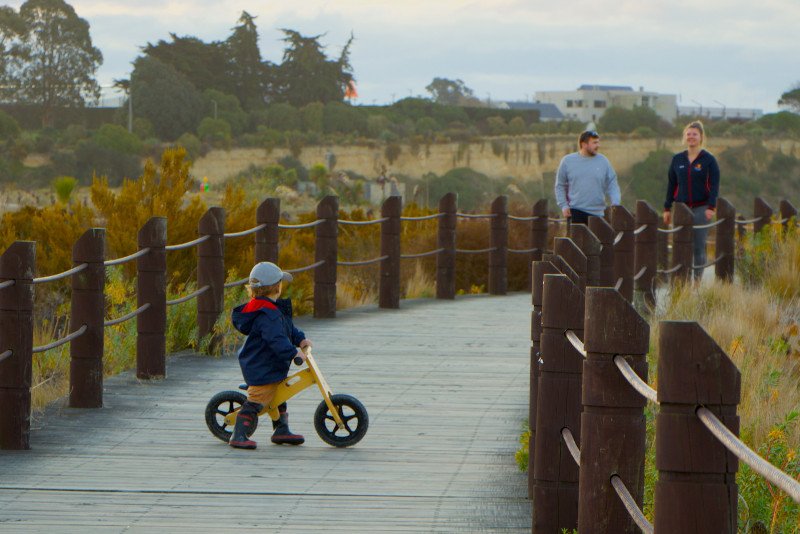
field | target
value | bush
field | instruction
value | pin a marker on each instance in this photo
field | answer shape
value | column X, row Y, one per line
column 216, row 131
column 283, row 117
column 343, row 118
column 63, row 186
column 116, row 138
column 92, row 159
column 313, row 117
column 9, row 128
column 191, row 144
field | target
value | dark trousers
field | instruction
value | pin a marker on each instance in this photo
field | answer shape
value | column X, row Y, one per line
column 579, row 217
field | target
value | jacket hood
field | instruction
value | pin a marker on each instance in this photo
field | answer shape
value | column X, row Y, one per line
column 243, row 316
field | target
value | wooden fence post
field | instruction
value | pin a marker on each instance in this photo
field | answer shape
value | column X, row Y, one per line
column 682, row 241
column 17, row 263
column 763, row 212
column 623, row 224
column 663, row 245
column 645, row 255
column 211, row 272
column 726, row 240
column 326, row 249
column 575, row 258
column 498, row 257
column 88, row 308
column 539, row 226
column 788, row 211
column 268, row 213
column 613, row 429
column 389, row 289
column 696, row 489
column 151, row 287
column 539, row 268
column 600, row 228
column 555, row 485
column 590, row 246
column 446, row 259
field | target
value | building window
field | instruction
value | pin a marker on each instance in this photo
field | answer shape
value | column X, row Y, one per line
column 579, row 103
column 646, row 101
column 569, row 103
column 599, row 103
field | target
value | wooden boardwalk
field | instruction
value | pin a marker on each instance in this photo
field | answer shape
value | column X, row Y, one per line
column 445, row 384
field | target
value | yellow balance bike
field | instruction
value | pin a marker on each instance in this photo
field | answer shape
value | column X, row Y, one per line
column 340, row 420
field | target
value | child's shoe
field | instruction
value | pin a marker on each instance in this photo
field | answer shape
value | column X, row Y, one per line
column 283, row 435
column 246, row 419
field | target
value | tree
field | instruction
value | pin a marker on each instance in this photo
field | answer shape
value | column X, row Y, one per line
column 621, row 120
column 56, row 61
column 246, row 71
column 165, row 98
column 205, row 65
column 791, row 99
column 12, row 28
column 451, row 93
column 306, row 75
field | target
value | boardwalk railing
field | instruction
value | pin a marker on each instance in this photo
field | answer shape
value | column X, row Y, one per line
column 588, row 393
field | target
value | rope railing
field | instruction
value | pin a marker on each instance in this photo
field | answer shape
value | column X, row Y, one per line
column 618, row 238
column 364, row 223
column 241, row 282
column 245, row 232
column 477, row 251
column 66, row 339
column 636, row 382
column 641, row 229
column 188, row 244
column 532, row 218
column 556, row 219
column 710, row 263
column 423, row 217
column 59, row 276
column 301, row 226
column 522, row 251
column 188, row 297
column 747, row 455
column 306, row 268
column 6, row 354
column 119, row 261
column 709, row 225
column 640, row 273
column 618, row 285
column 364, row 262
column 670, row 271
column 670, row 230
column 576, row 342
column 749, row 221
column 630, row 505
column 421, row 254
column 476, row 215
column 569, row 440
column 128, row 316
column 7, row 283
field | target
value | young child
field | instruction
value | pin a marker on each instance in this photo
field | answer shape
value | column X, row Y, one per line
column 271, row 345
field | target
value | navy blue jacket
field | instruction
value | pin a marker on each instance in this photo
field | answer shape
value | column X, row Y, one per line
column 271, row 342
column 695, row 184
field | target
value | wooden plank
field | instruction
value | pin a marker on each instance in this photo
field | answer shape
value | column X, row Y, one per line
column 446, row 387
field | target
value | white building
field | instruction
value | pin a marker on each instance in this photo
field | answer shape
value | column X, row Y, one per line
column 724, row 113
column 588, row 102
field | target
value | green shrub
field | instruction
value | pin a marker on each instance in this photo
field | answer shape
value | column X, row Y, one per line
column 116, row 138
column 63, row 186
column 216, row 131
column 9, row 128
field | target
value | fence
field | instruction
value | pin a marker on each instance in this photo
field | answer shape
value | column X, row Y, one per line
column 87, row 315
column 589, row 388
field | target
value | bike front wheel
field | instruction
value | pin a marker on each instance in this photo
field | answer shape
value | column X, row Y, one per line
column 353, row 415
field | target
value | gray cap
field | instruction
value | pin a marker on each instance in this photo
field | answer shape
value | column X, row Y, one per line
column 267, row 273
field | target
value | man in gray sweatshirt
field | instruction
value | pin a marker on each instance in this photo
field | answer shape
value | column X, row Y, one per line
column 584, row 179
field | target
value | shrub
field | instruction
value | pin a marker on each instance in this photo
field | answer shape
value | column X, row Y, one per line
column 216, row 131
column 63, row 186
column 191, row 144
column 118, row 139
column 9, row 128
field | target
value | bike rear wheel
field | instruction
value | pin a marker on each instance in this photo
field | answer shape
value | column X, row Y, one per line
column 220, row 405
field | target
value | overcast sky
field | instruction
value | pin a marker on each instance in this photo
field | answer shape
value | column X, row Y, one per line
column 732, row 52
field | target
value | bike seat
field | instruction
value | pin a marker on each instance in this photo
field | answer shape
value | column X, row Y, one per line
column 243, row 387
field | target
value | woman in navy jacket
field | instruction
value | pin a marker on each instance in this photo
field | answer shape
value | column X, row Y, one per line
column 694, row 180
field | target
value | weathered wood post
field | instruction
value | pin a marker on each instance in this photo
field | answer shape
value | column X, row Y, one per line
column 88, row 308
column 498, row 257
column 726, row 240
column 645, row 255
column 761, row 211
column 623, row 224
column 590, row 246
column 696, row 489
column 17, row 265
column 326, row 251
column 788, row 211
column 539, row 226
column 600, row 228
column 682, row 241
column 663, row 245
column 575, row 258
column 211, row 272
column 613, row 429
column 389, row 287
column 555, row 486
column 268, row 214
column 446, row 240
column 540, row 268
column 151, row 288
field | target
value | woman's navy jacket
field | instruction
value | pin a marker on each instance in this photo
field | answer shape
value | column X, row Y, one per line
column 271, row 339
column 696, row 183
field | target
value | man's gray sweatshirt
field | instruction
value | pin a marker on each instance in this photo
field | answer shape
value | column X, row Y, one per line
column 583, row 182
